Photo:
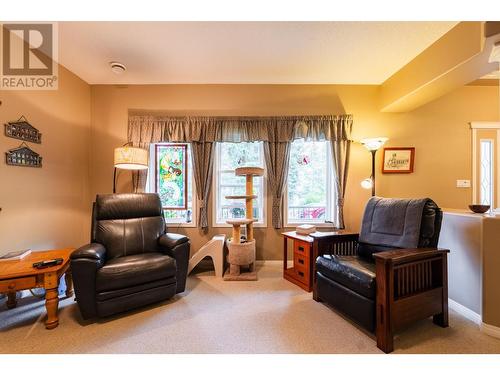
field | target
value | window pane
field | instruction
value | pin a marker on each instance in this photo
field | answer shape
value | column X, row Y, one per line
column 486, row 172
column 172, row 215
column 307, row 181
column 229, row 157
column 235, row 155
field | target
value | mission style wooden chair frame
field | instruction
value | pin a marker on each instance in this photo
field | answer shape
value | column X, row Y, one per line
column 412, row 284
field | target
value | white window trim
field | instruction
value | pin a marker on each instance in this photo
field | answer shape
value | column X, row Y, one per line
column 475, row 125
column 215, row 189
column 150, row 187
column 330, row 212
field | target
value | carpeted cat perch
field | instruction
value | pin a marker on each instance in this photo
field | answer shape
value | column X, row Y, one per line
column 241, row 257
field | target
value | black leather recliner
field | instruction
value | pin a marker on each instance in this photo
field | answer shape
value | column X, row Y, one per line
column 131, row 261
column 391, row 273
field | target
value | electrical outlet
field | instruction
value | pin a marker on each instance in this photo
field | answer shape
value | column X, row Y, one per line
column 463, row 183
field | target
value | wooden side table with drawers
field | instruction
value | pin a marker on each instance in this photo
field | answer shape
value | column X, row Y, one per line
column 302, row 271
column 305, row 251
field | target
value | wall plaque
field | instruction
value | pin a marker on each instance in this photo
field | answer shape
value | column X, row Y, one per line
column 23, row 156
column 22, row 129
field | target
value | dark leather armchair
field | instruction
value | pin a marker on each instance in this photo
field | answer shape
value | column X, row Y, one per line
column 391, row 273
column 130, row 261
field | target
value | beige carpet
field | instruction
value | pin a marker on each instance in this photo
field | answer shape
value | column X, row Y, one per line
column 270, row 315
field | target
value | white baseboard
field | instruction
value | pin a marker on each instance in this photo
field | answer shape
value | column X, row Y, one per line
column 490, row 330
column 465, row 311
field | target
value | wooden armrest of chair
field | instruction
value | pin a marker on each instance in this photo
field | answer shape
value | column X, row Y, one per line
column 400, row 256
column 412, row 284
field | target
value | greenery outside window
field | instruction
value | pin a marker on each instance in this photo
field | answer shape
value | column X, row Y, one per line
column 228, row 157
column 310, row 193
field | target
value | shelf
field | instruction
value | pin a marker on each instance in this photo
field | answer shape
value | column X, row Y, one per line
column 240, row 221
column 249, row 171
column 241, row 196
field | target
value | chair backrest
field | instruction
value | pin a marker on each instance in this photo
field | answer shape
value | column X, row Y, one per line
column 127, row 224
column 390, row 223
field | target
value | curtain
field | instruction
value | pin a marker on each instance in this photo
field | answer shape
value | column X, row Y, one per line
column 203, row 160
column 139, row 179
column 277, row 133
column 341, row 147
column 277, row 155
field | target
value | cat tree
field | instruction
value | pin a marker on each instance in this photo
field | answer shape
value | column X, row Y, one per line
column 242, row 252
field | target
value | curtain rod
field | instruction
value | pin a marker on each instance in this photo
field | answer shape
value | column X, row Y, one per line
column 239, row 118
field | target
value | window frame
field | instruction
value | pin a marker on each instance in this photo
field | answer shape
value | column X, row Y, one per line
column 330, row 214
column 152, row 178
column 216, row 184
column 475, row 127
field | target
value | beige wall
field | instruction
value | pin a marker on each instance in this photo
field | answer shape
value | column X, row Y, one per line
column 439, row 131
column 47, row 207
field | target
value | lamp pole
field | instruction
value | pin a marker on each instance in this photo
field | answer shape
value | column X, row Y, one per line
column 372, row 145
column 373, row 171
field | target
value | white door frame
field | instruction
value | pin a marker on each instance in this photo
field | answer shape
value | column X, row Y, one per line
column 475, row 126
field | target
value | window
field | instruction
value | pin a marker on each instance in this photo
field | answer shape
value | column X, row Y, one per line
column 230, row 156
column 309, row 196
column 184, row 217
column 485, row 164
column 486, row 172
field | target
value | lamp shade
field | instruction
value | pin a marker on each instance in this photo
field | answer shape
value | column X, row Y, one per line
column 373, row 144
column 131, row 158
column 367, row 183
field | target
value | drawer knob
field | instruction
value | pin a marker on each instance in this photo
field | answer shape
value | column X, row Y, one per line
column 12, row 286
column 301, row 261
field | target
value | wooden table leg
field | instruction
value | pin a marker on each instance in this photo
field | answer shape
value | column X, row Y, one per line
column 51, row 304
column 69, row 283
column 11, row 300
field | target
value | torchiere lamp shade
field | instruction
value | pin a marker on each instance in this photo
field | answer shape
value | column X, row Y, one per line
column 131, row 158
column 373, row 144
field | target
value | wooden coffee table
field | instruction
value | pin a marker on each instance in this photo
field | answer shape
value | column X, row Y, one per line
column 19, row 274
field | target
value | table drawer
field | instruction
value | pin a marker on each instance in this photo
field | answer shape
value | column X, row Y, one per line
column 18, row 284
column 300, row 261
column 301, row 275
column 301, row 247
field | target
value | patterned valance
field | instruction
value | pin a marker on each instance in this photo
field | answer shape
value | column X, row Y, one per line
column 144, row 130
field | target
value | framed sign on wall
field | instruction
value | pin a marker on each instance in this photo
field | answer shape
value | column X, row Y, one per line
column 171, row 175
column 398, row 160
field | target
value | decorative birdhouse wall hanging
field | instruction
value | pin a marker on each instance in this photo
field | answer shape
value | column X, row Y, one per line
column 23, row 156
column 22, row 129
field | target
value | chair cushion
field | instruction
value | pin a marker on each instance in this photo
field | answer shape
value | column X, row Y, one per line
column 133, row 270
column 353, row 272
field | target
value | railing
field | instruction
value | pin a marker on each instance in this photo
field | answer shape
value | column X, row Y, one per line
column 306, row 212
column 236, row 212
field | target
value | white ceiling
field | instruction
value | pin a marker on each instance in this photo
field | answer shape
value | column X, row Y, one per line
column 243, row 52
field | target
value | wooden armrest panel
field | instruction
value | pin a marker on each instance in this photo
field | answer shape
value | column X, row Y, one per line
column 408, row 255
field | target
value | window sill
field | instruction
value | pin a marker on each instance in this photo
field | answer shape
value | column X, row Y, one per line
column 177, row 224
column 317, row 224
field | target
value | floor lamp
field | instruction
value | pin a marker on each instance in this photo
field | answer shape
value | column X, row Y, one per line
column 131, row 158
column 372, row 145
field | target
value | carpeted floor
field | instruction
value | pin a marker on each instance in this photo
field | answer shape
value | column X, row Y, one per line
column 270, row 315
